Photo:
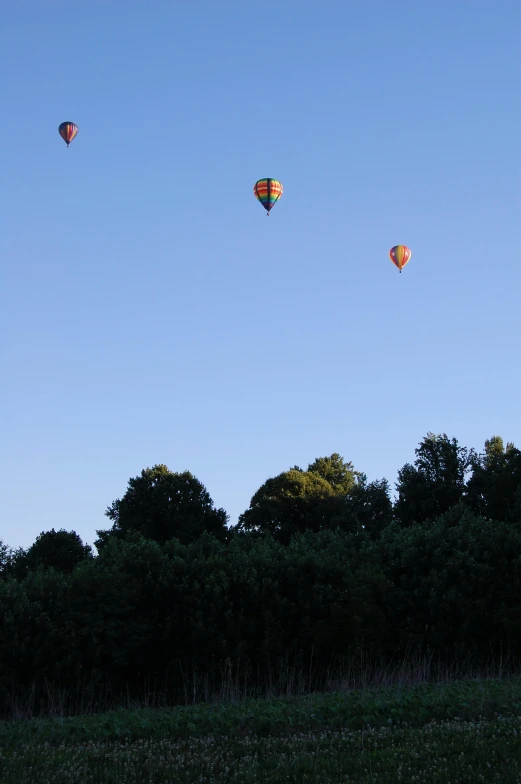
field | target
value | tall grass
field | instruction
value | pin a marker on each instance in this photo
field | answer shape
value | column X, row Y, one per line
column 234, row 681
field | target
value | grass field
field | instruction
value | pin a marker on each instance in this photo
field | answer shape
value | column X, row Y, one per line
column 464, row 731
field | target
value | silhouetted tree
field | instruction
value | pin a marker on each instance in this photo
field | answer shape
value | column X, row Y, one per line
column 367, row 507
column 494, row 489
column 61, row 550
column 161, row 505
column 6, row 560
column 435, row 482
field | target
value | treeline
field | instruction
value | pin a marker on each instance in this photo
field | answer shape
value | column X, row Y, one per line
column 321, row 565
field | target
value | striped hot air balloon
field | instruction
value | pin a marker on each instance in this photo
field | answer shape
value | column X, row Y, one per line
column 400, row 255
column 268, row 191
column 68, row 131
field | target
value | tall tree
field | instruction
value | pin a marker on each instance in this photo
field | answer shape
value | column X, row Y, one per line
column 6, row 560
column 368, row 507
column 494, row 489
column 61, row 550
column 161, row 505
column 435, row 482
column 334, row 469
column 286, row 504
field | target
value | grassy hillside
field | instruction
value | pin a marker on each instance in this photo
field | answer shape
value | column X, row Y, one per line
column 462, row 731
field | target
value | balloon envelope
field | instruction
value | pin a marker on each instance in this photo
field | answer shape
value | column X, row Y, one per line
column 268, row 191
column 68, row 131
column 400, row 255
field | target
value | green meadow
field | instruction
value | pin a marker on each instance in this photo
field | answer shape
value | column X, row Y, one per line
column 464, row 731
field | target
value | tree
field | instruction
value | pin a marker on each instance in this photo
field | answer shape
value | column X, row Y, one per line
column 340, row 474
column 435, row 482
column 161, row 505
column 15, row 564
column 6, row 560
column 60, row 550
column 456, row 582
column 494, row 489
column 368, row 507
column 286, row 504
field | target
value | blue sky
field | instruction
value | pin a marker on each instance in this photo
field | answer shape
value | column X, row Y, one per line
column 150, row 313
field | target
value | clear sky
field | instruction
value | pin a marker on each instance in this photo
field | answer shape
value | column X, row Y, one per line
column 151, row 313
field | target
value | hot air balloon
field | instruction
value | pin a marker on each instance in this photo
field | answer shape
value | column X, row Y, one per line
column 268, row 191
column 68, row 131
column 400, row 255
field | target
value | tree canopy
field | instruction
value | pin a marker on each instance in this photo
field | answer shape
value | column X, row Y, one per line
column 494, row 489
column 435, row 482
column 336, row 471
column 285, row 504
column 161, row 504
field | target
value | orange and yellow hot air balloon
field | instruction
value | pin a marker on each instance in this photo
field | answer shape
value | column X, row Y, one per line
column 400, row 255
column 68, row 131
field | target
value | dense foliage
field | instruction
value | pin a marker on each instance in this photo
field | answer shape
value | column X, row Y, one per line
column 322, row 564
